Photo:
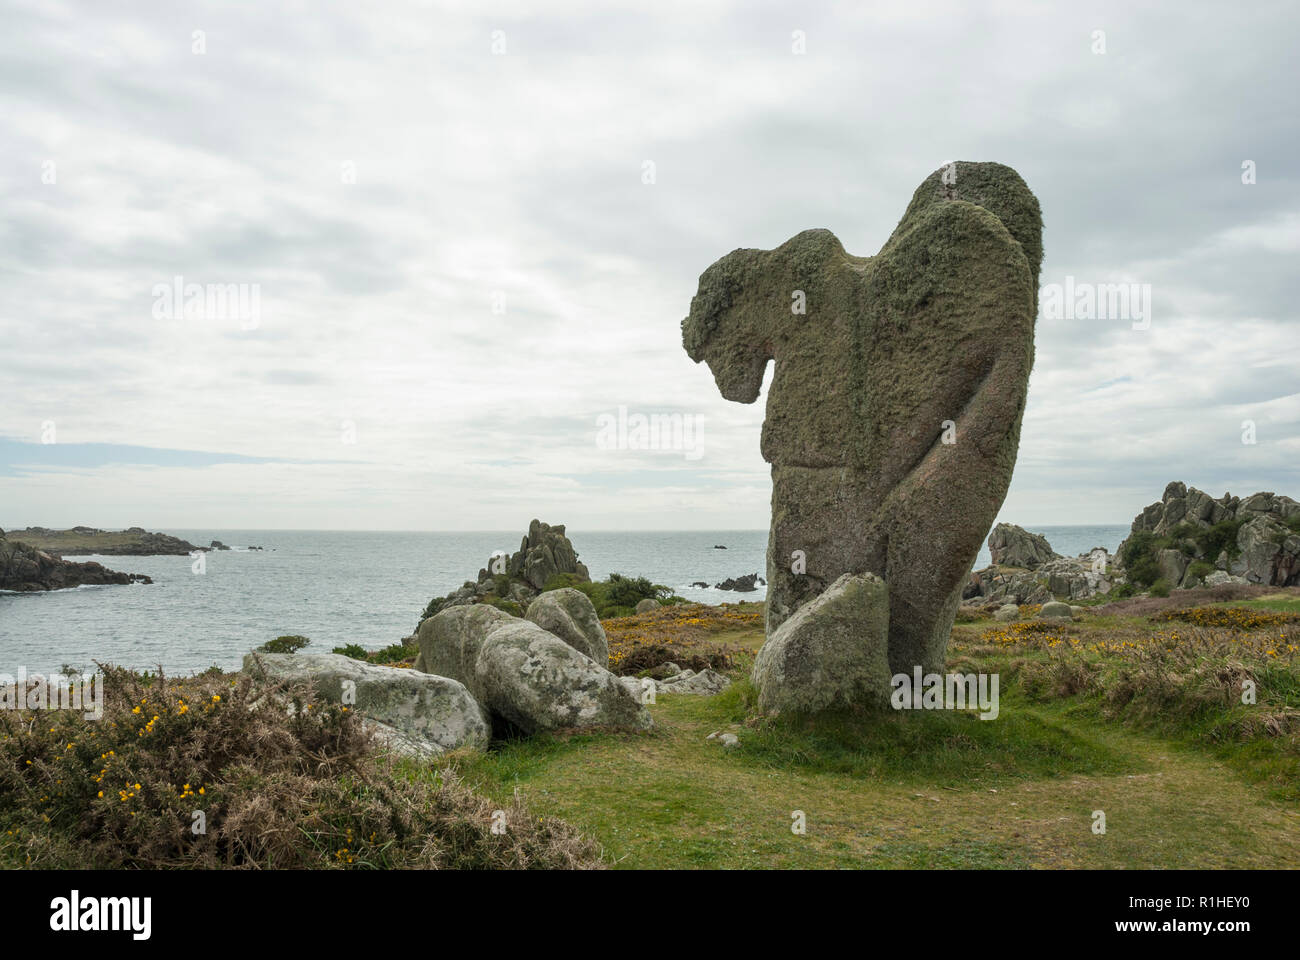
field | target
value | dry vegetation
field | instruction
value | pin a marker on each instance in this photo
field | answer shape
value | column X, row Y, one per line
column 277, row 788
column 694, row 636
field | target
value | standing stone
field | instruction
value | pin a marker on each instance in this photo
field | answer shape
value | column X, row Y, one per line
column 894, row 411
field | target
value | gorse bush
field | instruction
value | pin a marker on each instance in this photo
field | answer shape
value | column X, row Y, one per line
column 289, row 644
column 618, row 595
column 273, row 778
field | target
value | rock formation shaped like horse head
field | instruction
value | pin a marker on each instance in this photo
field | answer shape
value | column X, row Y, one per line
column 894, row 414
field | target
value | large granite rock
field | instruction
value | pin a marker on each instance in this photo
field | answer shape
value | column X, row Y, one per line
column 537, row 682
column 449, row 642
column 929, row 341
column 1263, row 533
column 528, row 675
column 570, row 615
column 1013, row 546
column 415, row 713
column 833, row 652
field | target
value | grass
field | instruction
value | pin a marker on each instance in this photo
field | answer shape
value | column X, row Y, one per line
column 1205, row 785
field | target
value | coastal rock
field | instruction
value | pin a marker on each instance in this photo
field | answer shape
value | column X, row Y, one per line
column 544, row 552
column 1007, row 612
column 834, row 651
column 25, row 569
column 1262, row 531
column 1013, row 546
column 538, row 682
column 648, row 604
column 893, row 415
column 570, row 615
column 745, row 584
column 424, row 714
column 1070, row 578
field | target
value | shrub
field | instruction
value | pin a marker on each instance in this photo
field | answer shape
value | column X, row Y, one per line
column 1160, row 588
column 277, row 789
column 353, row 650
column 1201, row 569
column 509, row 606
column 288, row 644
column 1139, row 557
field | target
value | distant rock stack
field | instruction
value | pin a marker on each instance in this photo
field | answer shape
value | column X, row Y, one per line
column 1013, row 546
column 511, row 581
column 893, row 417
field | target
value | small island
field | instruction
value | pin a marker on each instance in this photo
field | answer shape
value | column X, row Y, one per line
column 80, row 541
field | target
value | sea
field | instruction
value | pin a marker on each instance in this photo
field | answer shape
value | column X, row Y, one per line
column 345, row 587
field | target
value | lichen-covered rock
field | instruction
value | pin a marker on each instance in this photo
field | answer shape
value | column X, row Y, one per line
column 1055, row 610
column 894, row 411
column 570, row 615
column 538, row 682
column 1013, row 546
column 834, row 651
column 705, row 683
column 415, row 713
column 449, row 641
column 1007, row 613
column 646, row 605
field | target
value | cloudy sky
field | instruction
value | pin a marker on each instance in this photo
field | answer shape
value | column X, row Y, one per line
column 472, row 229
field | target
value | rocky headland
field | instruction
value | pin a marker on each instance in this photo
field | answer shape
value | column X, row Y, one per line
column 132, row 542
column 27, row 569
column 1186, row 539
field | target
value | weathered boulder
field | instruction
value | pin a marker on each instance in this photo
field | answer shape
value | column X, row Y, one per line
column 706, row 683
column 424, row 714
column 570, row 615
column 538, row 682
column 1268, row 552
column 1007, row 612
column 449, row 642
column 833, row 652
column 894, row 411
column 1055, row 610
column 646, row 605
column 1013, row 546
column 1172, row 565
